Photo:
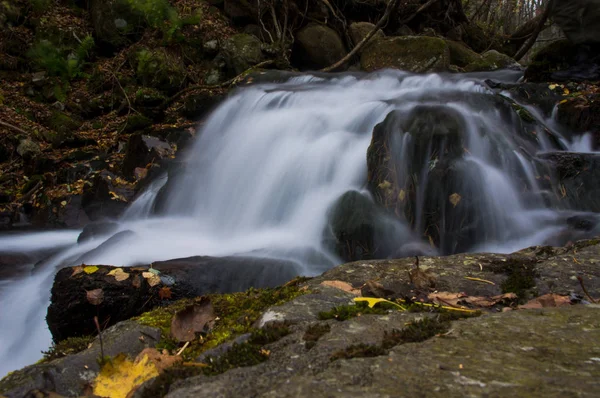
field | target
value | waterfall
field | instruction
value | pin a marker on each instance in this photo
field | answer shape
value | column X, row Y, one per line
column 271, row 161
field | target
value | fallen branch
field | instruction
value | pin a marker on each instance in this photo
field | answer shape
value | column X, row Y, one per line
column 10, row 126
column 359, row 46
column 420, row 10
column 229, row 82
column 531, row 41
column 479, row 280
column 580, row 279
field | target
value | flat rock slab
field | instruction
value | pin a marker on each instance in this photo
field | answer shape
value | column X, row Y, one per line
column 548, row 352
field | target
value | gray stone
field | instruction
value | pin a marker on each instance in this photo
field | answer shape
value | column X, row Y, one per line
column 241, row 52
column 70, row 375
column 359, row 30
column 319, row 46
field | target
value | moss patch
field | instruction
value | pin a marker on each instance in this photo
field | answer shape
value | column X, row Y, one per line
column 71, row 345
column 314, row 333
column 237, row 314
column 521, row 274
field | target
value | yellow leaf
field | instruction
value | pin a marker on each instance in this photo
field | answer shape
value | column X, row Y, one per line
column 90, row 269
column 384, row 185
column 402, row 195
column 63, row 203
column 566, row 91
column 152, row 278
column 119, row 274
column 552, row 86
column 120, row 376
column 455, row 199
column 563, row 101
column 371, row 301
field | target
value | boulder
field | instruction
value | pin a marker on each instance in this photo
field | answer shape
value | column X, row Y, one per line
column 158, row 68
column 460, row 54
column 564, row 61
column 115, row 24
column 28, row 149
column 360, row 30
column 142, row 150
column 317, row 46
column 492, row 60
column 239, row 53
column 105, row 197
column 578, row 19
column 417, row 54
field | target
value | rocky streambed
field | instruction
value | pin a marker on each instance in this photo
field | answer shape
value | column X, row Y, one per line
column 311, row 336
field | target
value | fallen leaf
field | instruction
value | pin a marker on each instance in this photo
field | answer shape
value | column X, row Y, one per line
column 137, row 282
column 77, row 270
column 547, row 300
column 119, row 377
column 119, row 274
column 194, row 319
column 461, row 299
column 342, row 286
column 455, row 199
column 401, row 195
column 162, row 360
column 384, row 185
column 152, row 279
column 422, row 279
column 165, row 293
column 63, row 203
column 552, row 86
column 95, row 297
column 90, row 269
column 372, row 301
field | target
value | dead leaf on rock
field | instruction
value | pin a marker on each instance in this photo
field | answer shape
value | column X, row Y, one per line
column 119, row 377
column 165, row 293
column 461, row 299
column 193, row 319
column 546, row 301
column 119, row 274
column 77, row 270
column 95, row 297
column 152, row 278
column 90, row 269
column 137, row 282
column 455, row 199
column 342, row 286
column 162, row 360
column 422, row 279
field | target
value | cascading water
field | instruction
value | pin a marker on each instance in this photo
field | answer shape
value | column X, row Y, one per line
column 272, row 160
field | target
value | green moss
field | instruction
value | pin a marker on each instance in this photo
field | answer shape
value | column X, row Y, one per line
column 237, row 314
column 521, row 274
column 71, row 345
column 314, row 333
column 345, row 312
column 135, row 123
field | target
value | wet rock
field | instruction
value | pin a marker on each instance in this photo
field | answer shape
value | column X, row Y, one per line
column 104, row 198
column 239, row 53
column 142, row 150
column 582, row 115
column 196, row 106
column 317, row 47
column 410, row 53
column 492, row 60
column 577, row 174
column 73, row 374
column 97, row 230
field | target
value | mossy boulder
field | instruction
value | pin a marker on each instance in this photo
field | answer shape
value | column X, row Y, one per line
column 115, row 23
column 239, row 53
column 158, row 68
column 417, row 54
column 461, row 55
column 318, row 46
column 359, row 30
column 491, row 60
column 564, row 61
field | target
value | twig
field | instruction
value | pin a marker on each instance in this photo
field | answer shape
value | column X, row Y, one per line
column 229, row 82
column 359, row 46
column 10, row 126
column 580, row 279
column 187, row 343
column 479, row 280
column 130, row 108
column 30, row 192
column 420, row 10
column 99, row 337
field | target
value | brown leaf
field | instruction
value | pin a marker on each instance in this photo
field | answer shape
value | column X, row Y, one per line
column 193, row 319
column 422, row 279
column 162, row 360
column 152, row 278
column 461, row 299
column 455, row 199
column 137, row 282
column 547, row 300
column 119, row 274
column 342, row 286
column 165, row 293
column 95, row 297
column 77, row 270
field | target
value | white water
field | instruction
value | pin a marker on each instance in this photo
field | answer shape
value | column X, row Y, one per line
column 266, row 168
